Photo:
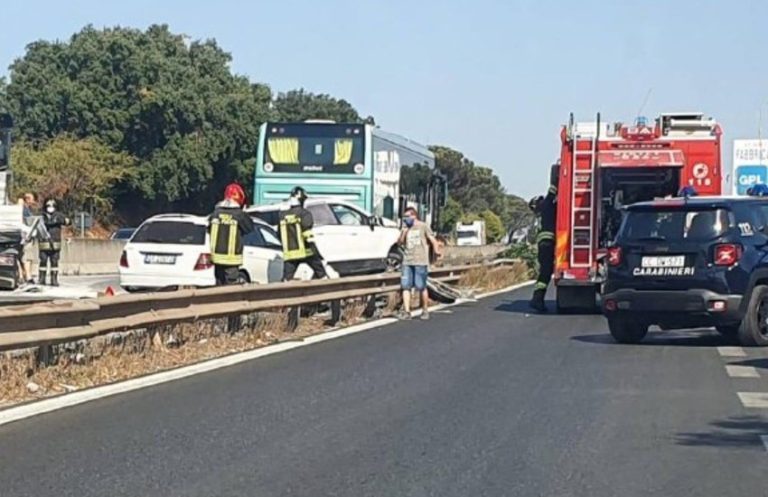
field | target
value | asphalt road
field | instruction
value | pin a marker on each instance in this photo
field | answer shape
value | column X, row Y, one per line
column 481, row 401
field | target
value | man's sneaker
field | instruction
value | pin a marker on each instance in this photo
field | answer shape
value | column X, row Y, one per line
column 424, row 315
column 403, row 316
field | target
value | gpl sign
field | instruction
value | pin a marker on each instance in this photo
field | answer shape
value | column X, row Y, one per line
column 747, row 176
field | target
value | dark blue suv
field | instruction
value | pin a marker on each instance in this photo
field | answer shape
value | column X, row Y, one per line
column 687, row 263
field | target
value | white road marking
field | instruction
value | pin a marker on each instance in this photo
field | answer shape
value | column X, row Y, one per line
column 741, row 371
column 755, row 400
column 731, row 352
column 764, row 438
column 72, row 399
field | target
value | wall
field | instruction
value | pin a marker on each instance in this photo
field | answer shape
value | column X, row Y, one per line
column 85, row 257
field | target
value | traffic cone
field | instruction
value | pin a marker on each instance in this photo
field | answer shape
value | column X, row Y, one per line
column 109, row 292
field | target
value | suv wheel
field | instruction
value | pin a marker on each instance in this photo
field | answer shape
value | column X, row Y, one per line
column 242, row 278
column 754, row 328
column 627, row 328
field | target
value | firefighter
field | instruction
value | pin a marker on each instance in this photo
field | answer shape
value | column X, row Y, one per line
column 50, row 245
column 296, row 236
column 546, row 209
column 228, row 225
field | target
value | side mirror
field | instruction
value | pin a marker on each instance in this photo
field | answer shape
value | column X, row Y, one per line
column 372, row 222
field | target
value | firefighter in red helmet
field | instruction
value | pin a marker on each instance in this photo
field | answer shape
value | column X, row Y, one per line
column 228, row 225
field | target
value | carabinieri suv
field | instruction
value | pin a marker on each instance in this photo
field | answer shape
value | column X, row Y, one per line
column 687, row 263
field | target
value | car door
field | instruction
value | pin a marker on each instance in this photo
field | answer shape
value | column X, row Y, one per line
column 354, row 232
column 263, row 255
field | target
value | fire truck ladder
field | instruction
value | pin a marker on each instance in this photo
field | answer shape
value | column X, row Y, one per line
column 583, row 195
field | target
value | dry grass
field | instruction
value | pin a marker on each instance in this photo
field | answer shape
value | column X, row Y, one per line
column 26, row 375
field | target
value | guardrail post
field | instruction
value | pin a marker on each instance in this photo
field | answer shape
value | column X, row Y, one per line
column 44, row 355
column 293, row 318
column 335, row 312
column 370, row 307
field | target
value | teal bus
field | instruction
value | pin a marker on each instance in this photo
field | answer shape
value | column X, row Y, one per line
column 358, row 163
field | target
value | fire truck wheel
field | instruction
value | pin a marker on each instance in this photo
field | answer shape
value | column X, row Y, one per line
column 625, row 328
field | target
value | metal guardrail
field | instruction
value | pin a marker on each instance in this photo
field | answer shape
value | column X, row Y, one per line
column 66, row 321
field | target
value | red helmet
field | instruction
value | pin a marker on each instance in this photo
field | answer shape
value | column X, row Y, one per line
column 235, row 192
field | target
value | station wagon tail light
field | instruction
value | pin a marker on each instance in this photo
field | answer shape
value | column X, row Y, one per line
column 614, row 256
column 123, row 259
column 203, row 262
column 727, row 254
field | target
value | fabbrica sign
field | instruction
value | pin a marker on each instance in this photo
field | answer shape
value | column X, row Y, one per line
column 750, row 164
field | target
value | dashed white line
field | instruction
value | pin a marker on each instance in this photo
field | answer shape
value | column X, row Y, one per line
column 741, row 371
column 731, row 352
column 755, row 400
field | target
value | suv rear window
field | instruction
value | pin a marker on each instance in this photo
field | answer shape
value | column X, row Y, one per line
column 675, row 225
column 171, row 232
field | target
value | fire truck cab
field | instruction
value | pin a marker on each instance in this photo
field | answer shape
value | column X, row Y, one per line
column 605, row 166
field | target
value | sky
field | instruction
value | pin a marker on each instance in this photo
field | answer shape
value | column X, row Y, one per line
column 493, row 79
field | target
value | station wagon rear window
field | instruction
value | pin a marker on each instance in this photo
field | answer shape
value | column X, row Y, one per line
column 695, row 225
column 170, row 232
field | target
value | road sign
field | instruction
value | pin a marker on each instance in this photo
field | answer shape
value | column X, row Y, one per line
column 747, row 176
column 750, row 164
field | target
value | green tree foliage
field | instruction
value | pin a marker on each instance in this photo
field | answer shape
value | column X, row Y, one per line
column 452, row 214
column 477, row 190
column 78, row 173
column 172, row 104
column 300, row 105
column 494, row 227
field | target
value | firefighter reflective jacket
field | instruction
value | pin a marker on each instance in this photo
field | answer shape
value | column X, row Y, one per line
column 53, row 223
column 228, row 225
column 296, row 234
column 548, row 213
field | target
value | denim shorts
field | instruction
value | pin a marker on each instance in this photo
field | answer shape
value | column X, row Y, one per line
column 414, row 277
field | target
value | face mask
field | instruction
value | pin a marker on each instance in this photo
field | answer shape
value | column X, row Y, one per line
column 50, row 210
column 409, row 221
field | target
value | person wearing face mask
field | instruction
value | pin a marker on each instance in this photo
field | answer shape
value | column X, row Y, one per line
column 297, row 238
column 50, row 246
column 415, row 238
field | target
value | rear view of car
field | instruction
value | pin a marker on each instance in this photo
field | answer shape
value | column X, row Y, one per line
column 167, row 251
column 683, row 263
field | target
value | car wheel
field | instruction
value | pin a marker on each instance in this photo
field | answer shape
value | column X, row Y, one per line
column 243, row 278
column 627, row 329
column 395, row 259
column 753, row 331
column 728, row 330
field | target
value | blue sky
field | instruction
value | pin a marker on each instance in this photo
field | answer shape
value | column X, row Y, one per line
column 494, row 79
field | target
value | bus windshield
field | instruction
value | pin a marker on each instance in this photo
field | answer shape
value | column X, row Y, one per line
column 315, row 148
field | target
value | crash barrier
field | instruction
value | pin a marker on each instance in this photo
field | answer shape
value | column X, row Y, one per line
column 47, row 324
column 84, row 256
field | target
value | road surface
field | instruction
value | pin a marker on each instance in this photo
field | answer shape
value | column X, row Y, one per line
column 482, row 400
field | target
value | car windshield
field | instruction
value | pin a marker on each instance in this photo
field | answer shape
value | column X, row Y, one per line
column 675, row 225
column 170, row 232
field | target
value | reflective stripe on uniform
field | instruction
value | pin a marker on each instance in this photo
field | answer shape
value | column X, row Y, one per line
column 227, row 260
column 553, row 190
column 290, row 231
column 545, row 235
column 540, row 286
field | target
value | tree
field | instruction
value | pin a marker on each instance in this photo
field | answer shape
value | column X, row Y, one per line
column 77, row 173
column 494, row 228
column 172, row 104
column 452, row 214
column 300, row 105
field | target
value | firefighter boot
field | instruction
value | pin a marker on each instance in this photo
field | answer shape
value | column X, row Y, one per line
column 43, row 277
column 537, row 301
column 54, row 278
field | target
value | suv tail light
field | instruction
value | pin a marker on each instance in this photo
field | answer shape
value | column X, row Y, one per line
column 614, row 256
column 124, row 259
column 203, row 262
column 727, row 254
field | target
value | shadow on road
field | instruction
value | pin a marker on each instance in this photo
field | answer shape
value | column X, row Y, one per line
column 734, row 432
column 664, row 338
column 755, row 363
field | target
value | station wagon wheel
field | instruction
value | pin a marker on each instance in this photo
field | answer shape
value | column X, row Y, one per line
column 762, row 317
column 394, row 259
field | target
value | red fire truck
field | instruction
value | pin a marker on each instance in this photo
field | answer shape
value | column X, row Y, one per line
column 605, row 166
